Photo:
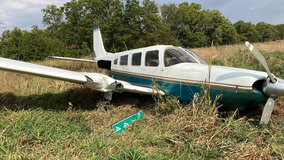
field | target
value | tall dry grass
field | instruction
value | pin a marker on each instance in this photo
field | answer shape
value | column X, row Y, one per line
column 25, row 91
column 222, row 53
column 24, row 85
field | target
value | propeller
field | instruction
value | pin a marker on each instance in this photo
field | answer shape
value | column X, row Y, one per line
column 267, row 111
column 273, row 87
column 261, row 59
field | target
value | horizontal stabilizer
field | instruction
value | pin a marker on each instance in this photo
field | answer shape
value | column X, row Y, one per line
column 42, row 71
column 71, row 59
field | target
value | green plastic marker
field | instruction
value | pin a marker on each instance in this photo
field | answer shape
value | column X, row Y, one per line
column 122, row 124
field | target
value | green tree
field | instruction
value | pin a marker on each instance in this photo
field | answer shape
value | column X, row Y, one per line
column 267, row 31
column 280, row 28
column 82, row 15
column 221, row 30
column 52, row 17
column 131, row 23
column 153, row 30
column 181, row 19
column 34, row 45
column 11, row 43
column 194, row 27
column 246, row 31
column 73, row 11
column 113, row 27
column 39, row 44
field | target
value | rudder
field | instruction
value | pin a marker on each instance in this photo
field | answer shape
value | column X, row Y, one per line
column 99, row 49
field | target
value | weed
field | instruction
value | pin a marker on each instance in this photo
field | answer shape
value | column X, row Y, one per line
column 164, row 104
column 167, row 105
column 133, row 153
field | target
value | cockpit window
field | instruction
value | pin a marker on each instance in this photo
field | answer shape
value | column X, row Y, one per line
column 174, row 56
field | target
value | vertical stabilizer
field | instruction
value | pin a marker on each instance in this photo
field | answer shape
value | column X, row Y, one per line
column 99, row 49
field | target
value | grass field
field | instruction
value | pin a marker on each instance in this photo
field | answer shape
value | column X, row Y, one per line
column 49, row 119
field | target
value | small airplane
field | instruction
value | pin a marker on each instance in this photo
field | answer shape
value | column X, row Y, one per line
column 179, row 71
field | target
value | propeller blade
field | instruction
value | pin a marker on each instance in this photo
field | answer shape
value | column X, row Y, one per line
column 261, row 59
column 267, row 110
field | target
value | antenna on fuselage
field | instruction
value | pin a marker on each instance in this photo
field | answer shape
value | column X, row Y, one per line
column 125, row 45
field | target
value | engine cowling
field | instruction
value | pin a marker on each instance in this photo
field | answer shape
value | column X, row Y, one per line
column 273, row 89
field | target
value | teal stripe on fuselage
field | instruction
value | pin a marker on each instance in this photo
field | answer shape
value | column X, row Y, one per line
column 230, row 98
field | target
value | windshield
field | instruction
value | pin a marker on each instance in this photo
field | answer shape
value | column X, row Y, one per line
column 176, row 55
column 197, row 57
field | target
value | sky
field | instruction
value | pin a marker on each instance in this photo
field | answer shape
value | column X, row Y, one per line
column 26, row 13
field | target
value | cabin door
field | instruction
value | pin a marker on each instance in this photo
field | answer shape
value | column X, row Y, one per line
column 151, row 67
column 191, row 76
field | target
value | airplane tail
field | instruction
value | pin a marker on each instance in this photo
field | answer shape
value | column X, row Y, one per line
column 99, row 49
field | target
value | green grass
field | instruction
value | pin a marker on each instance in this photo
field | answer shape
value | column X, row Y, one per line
column 187, row 131
column 37, row 127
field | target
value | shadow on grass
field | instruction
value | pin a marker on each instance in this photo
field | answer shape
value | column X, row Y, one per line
column 80, row 98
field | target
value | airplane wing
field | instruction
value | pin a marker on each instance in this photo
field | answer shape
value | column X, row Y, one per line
column 95, row 81
column 41, row 71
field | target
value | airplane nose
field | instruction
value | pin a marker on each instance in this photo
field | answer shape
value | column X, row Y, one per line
column 273, row 89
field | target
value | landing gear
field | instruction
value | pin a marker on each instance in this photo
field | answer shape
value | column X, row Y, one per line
column 104, row 104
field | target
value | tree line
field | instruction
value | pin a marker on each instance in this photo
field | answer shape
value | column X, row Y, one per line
column 69, row 28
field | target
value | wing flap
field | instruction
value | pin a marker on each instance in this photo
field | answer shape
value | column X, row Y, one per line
column 132, row 88
column 42, row 71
